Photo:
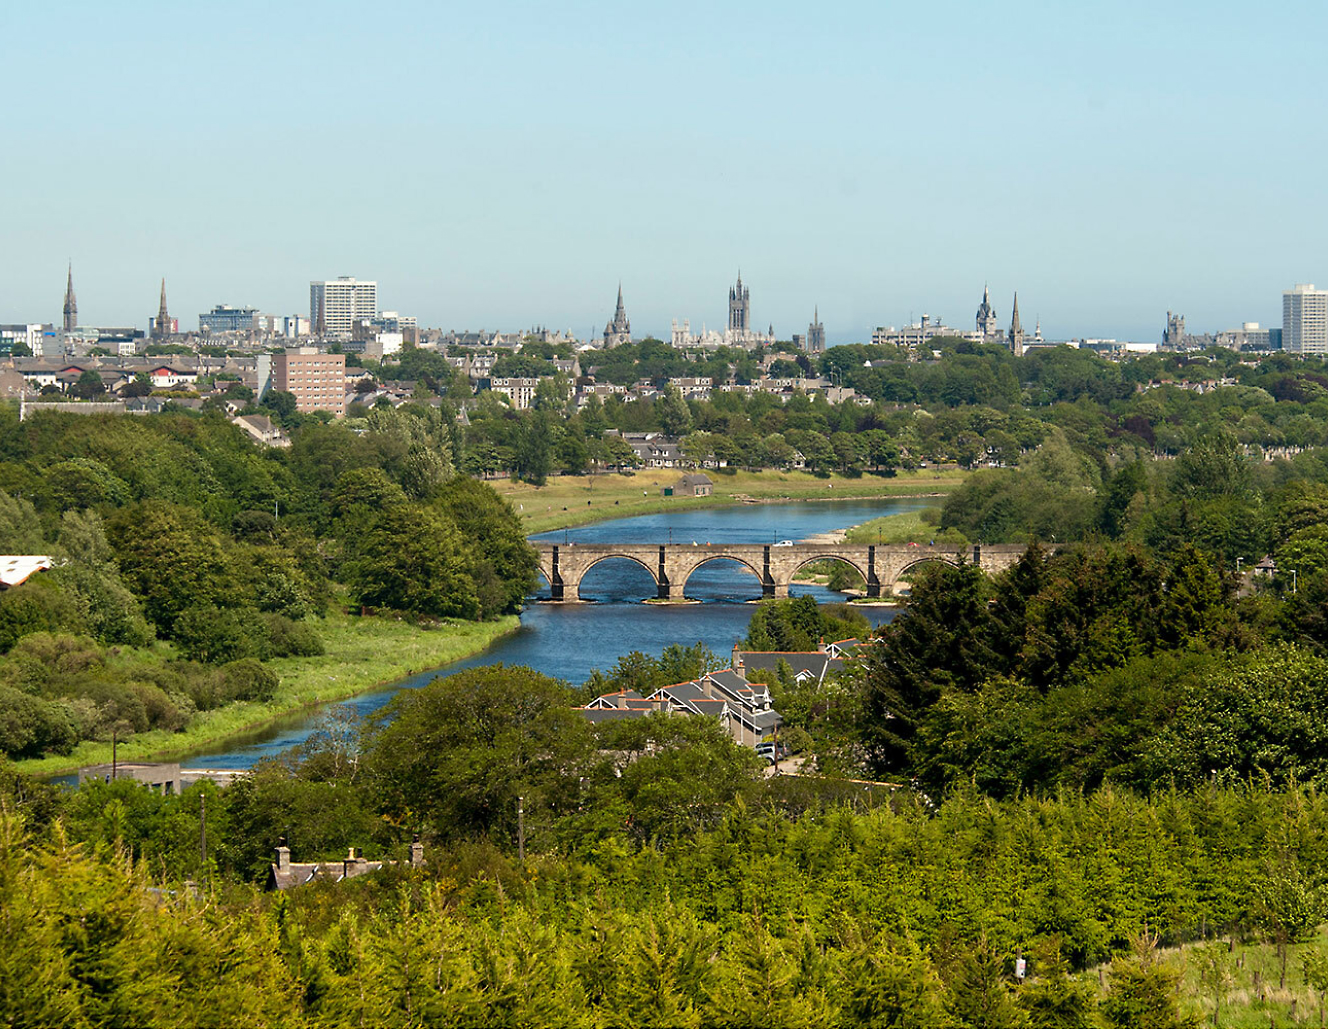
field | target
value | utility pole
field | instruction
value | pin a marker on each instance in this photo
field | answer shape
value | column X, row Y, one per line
column 202, row 834
column 115, row 729
column 521, row 829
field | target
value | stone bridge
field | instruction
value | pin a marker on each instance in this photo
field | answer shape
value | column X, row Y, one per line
column 670, row 565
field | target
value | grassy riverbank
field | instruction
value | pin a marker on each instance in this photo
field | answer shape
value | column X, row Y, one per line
column 904, row 528
column 577, row 500
column 362, row 653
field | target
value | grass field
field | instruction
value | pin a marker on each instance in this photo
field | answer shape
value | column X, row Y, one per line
column 906, row 527
column 1252, row 997
column 576, row 500
column 362, row 653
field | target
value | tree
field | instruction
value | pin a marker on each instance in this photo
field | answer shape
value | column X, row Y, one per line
column 499, row 560
column 89, row 385
column 673, row 414
column 412, row 559
column 1144, row 991
column 454, row 756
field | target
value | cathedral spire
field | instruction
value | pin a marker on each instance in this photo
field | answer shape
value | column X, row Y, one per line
column 71, row 304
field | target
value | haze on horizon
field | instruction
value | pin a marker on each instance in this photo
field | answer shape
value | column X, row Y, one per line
column 507, row 164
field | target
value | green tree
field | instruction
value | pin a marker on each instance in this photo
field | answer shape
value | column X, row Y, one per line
column 412, row 559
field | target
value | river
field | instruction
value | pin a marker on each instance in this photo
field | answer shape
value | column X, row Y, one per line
column 570, row 640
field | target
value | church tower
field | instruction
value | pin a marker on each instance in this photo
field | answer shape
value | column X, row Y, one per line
column 816, row 333
column 740, row 307
column 619, row 330
column 1016, row 331
column 71, row 304
column 162, row 327
column 987, row 323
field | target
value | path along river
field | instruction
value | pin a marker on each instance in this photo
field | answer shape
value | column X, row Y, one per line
column 570, row 640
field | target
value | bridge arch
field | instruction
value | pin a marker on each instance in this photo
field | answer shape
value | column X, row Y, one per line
column 953, row 560
column 634, row 559
column 681, row 586
column 788, row 580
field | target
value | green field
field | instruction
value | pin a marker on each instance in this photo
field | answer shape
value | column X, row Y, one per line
column 1252, row 996
column 577, row 500
column 362, row 653
column 904, row 528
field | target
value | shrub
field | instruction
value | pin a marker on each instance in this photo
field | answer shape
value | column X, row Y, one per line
column 249, row 680
column 287, row 637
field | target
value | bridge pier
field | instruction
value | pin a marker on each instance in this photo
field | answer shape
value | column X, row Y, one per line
column 873, row 581
column 663, row 588
column 555, row 579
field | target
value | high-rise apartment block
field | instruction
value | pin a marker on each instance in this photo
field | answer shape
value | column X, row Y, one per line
column 317, row 380
column 1305, row 320
column 336, row 304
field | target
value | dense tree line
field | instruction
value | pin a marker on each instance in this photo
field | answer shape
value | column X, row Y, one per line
column 178, row 528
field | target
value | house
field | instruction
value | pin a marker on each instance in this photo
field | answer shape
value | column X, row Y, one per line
column 284, row 874
column 15, row 569
column 167, row 377
column 694, row 484
column 263, row 430
column 806, row 666
column 743, row 709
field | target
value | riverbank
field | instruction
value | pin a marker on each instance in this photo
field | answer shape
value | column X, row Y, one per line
column 567, row 501
column 362, row 654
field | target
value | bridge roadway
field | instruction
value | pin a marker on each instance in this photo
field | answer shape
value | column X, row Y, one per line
column 670, row 565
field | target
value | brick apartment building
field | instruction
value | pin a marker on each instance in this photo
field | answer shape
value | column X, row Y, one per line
column 317, row 380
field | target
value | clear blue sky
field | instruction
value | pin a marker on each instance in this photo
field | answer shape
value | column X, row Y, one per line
column 502, row 164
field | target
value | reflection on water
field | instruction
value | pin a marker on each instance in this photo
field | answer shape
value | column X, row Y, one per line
column 570, row 640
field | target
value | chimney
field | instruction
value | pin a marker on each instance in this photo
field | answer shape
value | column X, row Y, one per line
column 416, row 853
column 737, row 656
column 283, row 856
column 821, row 648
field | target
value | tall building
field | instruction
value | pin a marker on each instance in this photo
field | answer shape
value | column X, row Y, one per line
column 161, row 327
column 225, row 319
column 740, row 307
column 816, row 333
column 71, row 305
column 987, row 322
column 1017, row 331
column 317, row 380
column 336, row 304
column 1305, row 320
column 619, row 330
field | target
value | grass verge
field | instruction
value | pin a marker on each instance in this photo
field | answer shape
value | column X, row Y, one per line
column 362, row 653
column 567, row 501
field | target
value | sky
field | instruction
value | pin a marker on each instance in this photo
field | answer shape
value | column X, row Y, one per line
column 505, row 164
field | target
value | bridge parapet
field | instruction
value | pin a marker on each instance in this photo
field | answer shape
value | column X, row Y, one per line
column 671, row 565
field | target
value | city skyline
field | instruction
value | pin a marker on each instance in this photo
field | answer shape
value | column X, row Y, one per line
column 1110, row 162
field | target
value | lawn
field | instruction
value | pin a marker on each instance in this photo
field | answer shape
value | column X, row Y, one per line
column 362, row 653
column 576, row 500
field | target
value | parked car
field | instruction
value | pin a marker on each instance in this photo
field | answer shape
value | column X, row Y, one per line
column 784, row 543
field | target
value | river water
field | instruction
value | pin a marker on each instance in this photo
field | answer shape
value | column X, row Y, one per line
column 570, row 640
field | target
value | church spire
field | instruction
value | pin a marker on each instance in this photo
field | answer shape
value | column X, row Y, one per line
column 71, row 304
column 1016, row 331
column 163, row 324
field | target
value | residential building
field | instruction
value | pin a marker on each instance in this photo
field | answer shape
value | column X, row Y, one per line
column 285, row 874
column 519, row 390
column 317, row 379
column 336, row 304
column 226, row 319
column 1305, row 320
column 263, row 430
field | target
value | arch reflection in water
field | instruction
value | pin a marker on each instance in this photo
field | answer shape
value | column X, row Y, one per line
column 617, row 580
column 722, row 579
